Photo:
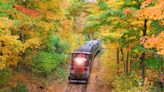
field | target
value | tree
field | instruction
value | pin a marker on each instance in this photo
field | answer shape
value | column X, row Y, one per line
column 125, row 23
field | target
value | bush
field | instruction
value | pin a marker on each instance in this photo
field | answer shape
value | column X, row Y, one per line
column 50, row 56
column 44, row 62
column 54, row 45
column 5, row 75
column 20, row 87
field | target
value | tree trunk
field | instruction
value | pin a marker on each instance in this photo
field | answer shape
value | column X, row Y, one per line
column 143, row 55
column 122, row 53
column 22, row 38
column 2, row 45
column 1, row 53
column 122, row 58
column 118, row 60
column 131, row 62
column 127, row 63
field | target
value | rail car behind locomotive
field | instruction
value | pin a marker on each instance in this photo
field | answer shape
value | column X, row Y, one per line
column 81, row 59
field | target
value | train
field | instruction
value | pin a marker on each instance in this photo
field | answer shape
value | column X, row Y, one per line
column 81, row 61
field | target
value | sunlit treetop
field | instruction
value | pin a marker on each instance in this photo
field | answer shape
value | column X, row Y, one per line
column 151, row 10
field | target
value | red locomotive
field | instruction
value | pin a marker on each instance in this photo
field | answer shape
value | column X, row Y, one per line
column 80, row 65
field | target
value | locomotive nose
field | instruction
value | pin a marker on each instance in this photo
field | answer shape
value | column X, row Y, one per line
column 79, row 61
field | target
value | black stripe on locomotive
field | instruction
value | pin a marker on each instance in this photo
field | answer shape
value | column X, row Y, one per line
column 89, row 49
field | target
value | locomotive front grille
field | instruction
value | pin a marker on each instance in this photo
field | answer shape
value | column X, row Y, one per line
column 78, row 76
column 79, row 71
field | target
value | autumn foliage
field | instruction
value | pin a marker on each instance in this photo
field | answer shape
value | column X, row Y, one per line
column 38, row 36
column 26, row 11
column 156, row 42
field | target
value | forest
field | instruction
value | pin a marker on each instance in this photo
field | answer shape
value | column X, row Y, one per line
column 37, row 38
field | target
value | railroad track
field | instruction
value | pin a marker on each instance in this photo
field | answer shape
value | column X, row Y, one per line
column 75, row 88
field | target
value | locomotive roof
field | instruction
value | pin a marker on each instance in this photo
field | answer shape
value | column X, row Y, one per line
column 87, row 47
column 94, row 42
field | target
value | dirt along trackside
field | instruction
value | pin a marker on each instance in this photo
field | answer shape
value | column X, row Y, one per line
column 75, row 88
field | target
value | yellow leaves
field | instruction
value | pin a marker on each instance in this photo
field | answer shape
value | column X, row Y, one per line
column 5, row 22
column 51, row 9
column 74, row 40
column 47, row 26
column 67, row 25
column 11, row 45
column 14, row 60
column 108, row 62
column 2, row 62
column 49, row 4
column 50, row 15
column 105, row 32
column 115, row 3
column 30, row 31
column 10, row 49
column 67, row 34
column 32, row 43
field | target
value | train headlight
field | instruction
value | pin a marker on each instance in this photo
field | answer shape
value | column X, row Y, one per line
column 80, row 60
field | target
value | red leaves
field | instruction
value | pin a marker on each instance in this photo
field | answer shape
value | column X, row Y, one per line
column 26, row 11
column 127, row 11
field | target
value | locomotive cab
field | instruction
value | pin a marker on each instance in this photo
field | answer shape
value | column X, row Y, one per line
column 80, row 67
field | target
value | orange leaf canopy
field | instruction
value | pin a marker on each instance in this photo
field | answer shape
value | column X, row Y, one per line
column 26, row 11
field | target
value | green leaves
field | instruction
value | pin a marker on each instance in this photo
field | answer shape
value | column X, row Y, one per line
column 44, row 62
column 139, row 49
column 133, row 4
column 76, row 8
column 126, row 83
column 103, row 5
column 157, row 27
column 129, row 37
column 54, row 45
column 6, row 7
column 154, row 63
column 50, row 56
column 5, row 75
